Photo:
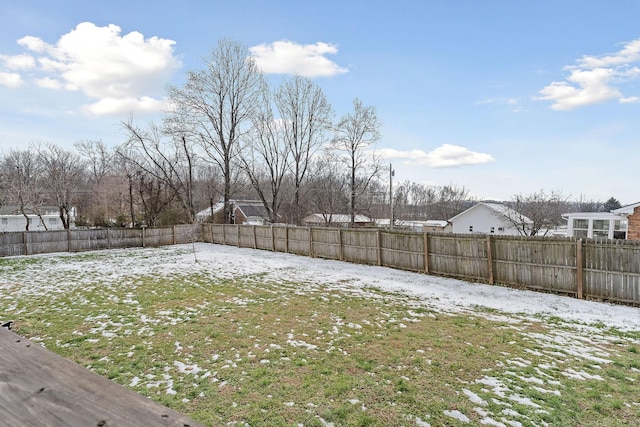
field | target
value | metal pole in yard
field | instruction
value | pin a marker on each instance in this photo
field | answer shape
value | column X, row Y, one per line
column 391, row 173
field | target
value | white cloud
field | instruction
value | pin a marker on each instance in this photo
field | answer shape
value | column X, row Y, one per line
column 49, row 83
column 595, row 79
column 108, row 106
column 445, row 156
column 630, row 100
column 32, row 43
column 19, row 62
column 511, row 103
column 117, row 71
column 628, row 54
column 286, row 57
column 11, row 80
column 584, row 87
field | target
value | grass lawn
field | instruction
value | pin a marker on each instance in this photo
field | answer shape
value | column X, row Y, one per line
column 278, row 346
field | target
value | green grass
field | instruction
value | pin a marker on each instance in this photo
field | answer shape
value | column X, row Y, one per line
column 270, row 353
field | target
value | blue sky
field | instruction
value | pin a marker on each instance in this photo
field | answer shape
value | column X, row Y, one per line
column 501, row 97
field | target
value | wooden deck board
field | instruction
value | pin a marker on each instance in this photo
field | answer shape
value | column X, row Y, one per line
column 38, row 387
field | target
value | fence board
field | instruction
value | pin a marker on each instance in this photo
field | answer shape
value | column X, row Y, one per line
column 298, row 240
column 360, row 246
column 534, row 263
column 11, row 244
column 403, row 251
column 326, row 243
column 459, row 255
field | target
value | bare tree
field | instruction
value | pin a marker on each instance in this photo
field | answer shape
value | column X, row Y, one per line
column 155, row 196
column 64, row 177
column 22, row 177
column 450, row 201
column 305, row 116
column 265, row 157
column 354, row 134
column 171, row 161
column 99, row 156
column 215, row 106
column 583, row 204
column 99, row 204
column 328, row 188
column 536, row 213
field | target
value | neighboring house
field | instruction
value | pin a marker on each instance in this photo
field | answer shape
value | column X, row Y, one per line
column 242, row 212
column 430, row 225
column 632, row 214
column 12, row 219
column 592, row 225
column 336, row 220
column 489, row 218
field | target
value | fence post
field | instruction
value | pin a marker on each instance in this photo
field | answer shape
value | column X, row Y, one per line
column 174, row 234
column 579, row 269
column 108, row 239
column 340, row 249
column 224, row 234
column 69, row 240
column 143, row 242
column 310, row 243
column 25, row 245
column 379, row 248
column 426, row 252
column 490, row 260
column 273, row 240
column 255, row 243
column 286, row 239
column 238, row 234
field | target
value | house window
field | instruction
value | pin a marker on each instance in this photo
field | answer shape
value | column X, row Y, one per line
column 53, row 221
column 600, row 228
column 620, row 229
column 580, row 228
column 5, row 221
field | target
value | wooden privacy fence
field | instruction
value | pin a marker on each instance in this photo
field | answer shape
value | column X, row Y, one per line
column 78, row 240
column 594, row 269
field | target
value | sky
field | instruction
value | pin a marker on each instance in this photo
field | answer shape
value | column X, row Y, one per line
column 498, row 97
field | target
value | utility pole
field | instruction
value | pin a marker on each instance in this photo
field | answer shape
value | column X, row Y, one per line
column 391, row 173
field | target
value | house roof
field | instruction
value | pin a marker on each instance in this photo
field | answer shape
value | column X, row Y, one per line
column 498, row 208
column 250, row 209
column 626, row 210
column 594, row 215
column 415, row 223
column 15, row 210
column 210, row 211
column 335, row 218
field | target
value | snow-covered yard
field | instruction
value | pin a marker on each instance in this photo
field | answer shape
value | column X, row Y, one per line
column 144, row 317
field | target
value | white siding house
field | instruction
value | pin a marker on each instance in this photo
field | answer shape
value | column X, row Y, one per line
column 489, row 218
column 11, row 219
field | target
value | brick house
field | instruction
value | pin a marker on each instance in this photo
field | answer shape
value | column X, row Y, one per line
column 242, row 212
